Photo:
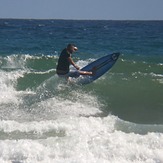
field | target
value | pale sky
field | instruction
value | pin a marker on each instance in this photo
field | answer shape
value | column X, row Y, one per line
column 83, row 9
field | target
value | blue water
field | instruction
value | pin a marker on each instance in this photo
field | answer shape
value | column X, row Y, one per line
column 48, row 36
column 44, row 119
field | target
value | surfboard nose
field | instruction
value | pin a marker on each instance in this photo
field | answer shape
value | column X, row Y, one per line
column 115, row 56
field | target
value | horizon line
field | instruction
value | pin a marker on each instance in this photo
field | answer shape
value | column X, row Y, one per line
column 85, row 19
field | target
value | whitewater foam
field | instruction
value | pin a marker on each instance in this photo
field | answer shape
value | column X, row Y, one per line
column 92, row 139
column 55, row 123
column 7, row 83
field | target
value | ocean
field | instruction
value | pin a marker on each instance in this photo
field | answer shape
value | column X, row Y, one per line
column 116, row 119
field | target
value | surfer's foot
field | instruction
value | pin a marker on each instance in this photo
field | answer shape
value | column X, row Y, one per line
column 93, row 73
column 90, row 73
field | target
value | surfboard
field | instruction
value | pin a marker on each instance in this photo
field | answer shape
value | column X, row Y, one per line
column 98, row 67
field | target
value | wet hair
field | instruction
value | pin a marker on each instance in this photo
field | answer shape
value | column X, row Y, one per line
column 70, row 45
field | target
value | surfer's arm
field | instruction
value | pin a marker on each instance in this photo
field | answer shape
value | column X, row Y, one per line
column 72, row 62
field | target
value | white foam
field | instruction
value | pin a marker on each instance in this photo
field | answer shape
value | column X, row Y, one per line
column 91, row 139
column 34, row 126
column 158, row 77
column 45, row 72
column 83, row 63
column 77, row 104
column 160, row 64
column 7, row 82
column 16, row 61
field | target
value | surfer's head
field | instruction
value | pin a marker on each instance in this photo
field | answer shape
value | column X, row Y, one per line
column 71, row 48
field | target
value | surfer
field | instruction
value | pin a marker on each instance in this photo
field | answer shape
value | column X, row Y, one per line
column 65, row 60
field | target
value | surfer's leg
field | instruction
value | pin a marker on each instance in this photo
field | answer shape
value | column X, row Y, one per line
column 85, row 73
column 77, row 73
column 74, row 73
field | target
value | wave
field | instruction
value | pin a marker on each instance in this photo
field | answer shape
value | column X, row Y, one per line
column 11, row 129
column 76, row 139
column 132, row 86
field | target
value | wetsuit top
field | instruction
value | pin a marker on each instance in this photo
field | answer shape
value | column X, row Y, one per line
column 63, row 63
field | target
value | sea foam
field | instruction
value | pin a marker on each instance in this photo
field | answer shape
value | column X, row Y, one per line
column 92, row 139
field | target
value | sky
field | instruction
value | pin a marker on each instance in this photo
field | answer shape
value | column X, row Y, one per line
column 83, row 9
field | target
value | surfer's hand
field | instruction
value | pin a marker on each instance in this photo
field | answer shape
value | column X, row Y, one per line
column 77, row 67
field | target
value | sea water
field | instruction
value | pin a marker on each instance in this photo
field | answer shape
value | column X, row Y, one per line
column 117, row 118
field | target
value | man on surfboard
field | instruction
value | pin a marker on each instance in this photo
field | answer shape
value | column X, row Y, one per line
column 65, row 60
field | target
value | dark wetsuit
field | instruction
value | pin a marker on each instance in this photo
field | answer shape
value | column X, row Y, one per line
column 63, row 63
